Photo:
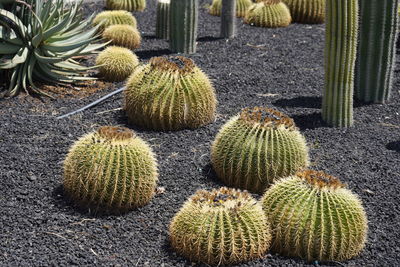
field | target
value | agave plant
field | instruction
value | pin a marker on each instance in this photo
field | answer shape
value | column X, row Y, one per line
column 38, row 41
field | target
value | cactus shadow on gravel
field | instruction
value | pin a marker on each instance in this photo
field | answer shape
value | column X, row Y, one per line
column 300, row 102
column 308, row 121
column 394, row 146
column 147, row 54
column 209, row 39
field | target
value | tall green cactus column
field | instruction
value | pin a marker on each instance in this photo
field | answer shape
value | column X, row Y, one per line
column 340, row 57
column 162, row 23
column 377, row 49
column 183, row 26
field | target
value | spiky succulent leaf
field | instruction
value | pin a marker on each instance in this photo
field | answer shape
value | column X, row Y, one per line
column 38, row 40
column 221, row 227
column 111, row 170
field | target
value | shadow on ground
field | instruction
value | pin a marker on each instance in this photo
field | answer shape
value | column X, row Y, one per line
column 395, row 146
column 300, row 102
column 309, row 121
column 146, row 54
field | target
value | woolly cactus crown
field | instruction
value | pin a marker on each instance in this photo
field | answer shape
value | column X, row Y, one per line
column 123, row 35
column 256, row 147
column 327, row 221
column 116, row 63
column 113, row 17
column 269, row 14
column 170, row 94
column 210, row 226
column 111, row 170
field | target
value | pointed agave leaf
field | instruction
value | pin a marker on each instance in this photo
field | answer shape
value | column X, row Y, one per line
column 18, row 27
column 20, row 57
column 7, row 48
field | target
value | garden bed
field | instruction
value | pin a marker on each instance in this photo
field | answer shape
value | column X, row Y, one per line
column 281, row 68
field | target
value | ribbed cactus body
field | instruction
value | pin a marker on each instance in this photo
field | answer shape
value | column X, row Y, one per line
column 162, row 22
column 340, row 56
column 241, row 7
column 116, row 63
column 169, row 94
column 257, row 147
column 377, row 50
column 228, row 19
column 123, row 35
column 183, row 26
column 129, row 5
column 269, row 14
column 111, row 170
column 113, row 17
column 313, row 216
column 221, row 227
column 307, row 11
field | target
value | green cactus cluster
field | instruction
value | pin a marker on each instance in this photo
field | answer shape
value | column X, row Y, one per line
column 111, row 170
column 123, row 35
column 313, row 216
column 269, row 14
column 256, row 147
column 221, row 227
column 113, row 17
column 129, row 5
column 241, row 7
column 169, row 94
column 307, row 11
column 116, row 63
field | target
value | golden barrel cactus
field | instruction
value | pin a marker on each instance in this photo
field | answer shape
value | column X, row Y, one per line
column 256, row 147
column 116, row 63
column 114, row 17
column 169, row 94
column 313, row 216
column 307, row 11
column 111, row 170
column 221, row 227
column 269, row 14
column 123, row 35
column 241, row 7
column 129, row 5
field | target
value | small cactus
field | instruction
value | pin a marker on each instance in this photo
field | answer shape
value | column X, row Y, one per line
column 313, row 216
column 129, row 5
column 241, row 7
column 256, row 147
column 110, row 170
column 123, row 35
column 169, row 94
column 307, row 11
column 116, row 63
column 224, row 226
column 162, row 22
column 113, row 17
column 269, row 14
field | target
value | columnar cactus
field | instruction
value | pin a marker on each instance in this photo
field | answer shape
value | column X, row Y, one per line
column 162, row 23
column 307, row 11
column 129, row 5
column 110, row 170
column 113, row 17
column 116, row 63
column 183, row 26
column 256, row 147
column 340, row 56
column 169, row 94
column 220, row 227
column 269, row 14
column 241, row 7
column 376, row 50
column 313, row 216
column 123, row 35
column 228, row 19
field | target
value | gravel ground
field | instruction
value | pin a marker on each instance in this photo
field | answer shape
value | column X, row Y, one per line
column 281, row 68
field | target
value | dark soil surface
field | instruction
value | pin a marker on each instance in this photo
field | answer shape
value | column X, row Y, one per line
column 281, row 68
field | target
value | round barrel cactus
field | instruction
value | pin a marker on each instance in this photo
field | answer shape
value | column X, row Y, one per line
column 123, row 35
column 256, row 147
column 313, row 216
column 269, row 14
column 129, row 5
column 169, row 94
column 116, row 63
column 224, row 226
column 307, row 11
column 113, row 17
column 110, row 170
column 241, row 7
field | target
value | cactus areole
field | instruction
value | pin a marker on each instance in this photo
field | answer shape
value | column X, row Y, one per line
column 315, row 217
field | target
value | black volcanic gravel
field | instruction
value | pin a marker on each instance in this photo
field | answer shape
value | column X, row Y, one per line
column 281, row 68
